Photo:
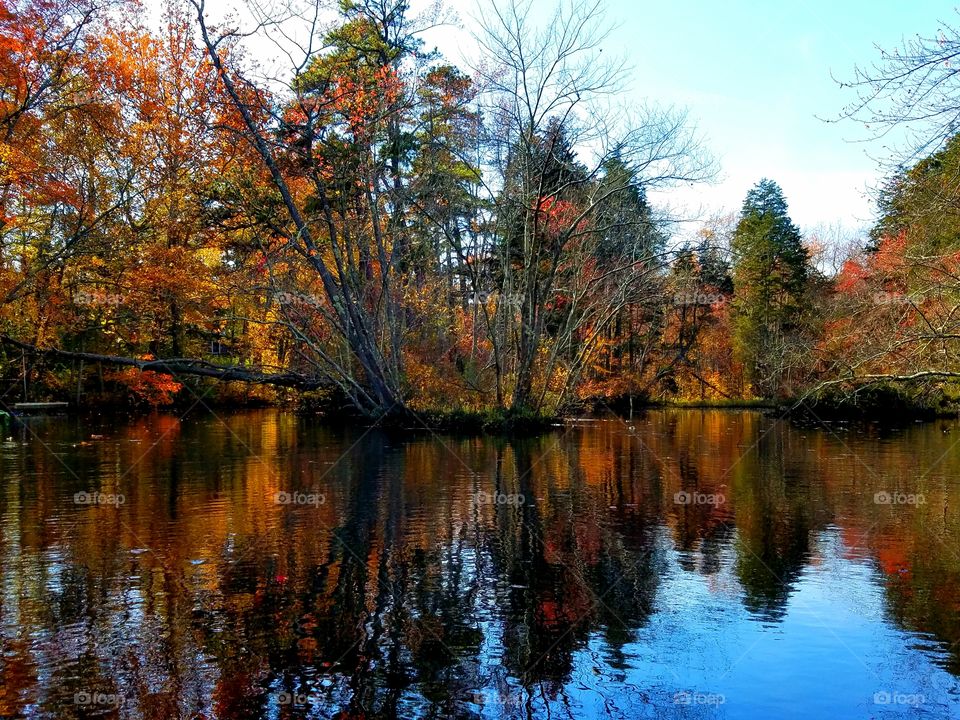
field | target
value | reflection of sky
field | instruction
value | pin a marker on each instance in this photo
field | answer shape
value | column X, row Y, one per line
column 77, row 582
column 831, row 650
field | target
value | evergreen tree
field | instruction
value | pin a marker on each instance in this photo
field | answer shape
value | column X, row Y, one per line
column 770, row 277
column 922, row 202
column 625, row 221
column 539, row 169
column 714, row 268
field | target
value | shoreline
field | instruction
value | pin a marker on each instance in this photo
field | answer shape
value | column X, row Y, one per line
column 506, row 423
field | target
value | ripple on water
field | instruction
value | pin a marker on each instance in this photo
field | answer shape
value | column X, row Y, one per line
column 411, row 590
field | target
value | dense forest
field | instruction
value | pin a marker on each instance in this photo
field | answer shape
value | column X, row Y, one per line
column 384, row 231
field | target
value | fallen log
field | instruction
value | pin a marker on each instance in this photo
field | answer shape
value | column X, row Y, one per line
column 175, row 367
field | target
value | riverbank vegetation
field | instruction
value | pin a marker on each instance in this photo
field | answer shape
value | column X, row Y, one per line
column 379, row 230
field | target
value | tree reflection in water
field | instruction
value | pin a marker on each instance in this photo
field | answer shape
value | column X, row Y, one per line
column 450, row 577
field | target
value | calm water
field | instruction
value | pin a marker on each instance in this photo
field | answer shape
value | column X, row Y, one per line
column 692, row 564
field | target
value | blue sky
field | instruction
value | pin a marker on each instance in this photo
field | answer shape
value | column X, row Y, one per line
column 754, row 76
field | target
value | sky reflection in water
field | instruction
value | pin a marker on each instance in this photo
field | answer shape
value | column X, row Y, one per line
column 687, row 564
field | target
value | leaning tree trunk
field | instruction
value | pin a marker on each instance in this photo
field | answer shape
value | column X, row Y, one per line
column 382, row 394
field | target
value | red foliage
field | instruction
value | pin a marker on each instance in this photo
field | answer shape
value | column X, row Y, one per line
column 558, row 216
column 851, row 276
column 146, row 387
column 891, row 253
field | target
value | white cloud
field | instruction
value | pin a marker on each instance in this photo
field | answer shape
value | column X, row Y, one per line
column 814, row 198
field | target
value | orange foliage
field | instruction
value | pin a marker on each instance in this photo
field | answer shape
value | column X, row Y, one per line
column 146, row 387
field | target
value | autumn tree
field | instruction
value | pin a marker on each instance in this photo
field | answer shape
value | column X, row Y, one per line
column 892, row 320
column 377, row 222
column 544, row 92
column 49, row 180
column 341, row 176
column 110, row 248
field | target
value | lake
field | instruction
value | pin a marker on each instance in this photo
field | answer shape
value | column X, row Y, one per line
column 685, row 563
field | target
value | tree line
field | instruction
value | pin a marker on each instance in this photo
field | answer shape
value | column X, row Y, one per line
column 393, row 233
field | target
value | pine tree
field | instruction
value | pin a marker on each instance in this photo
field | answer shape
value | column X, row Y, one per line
column 539, row 169
column 626, row 223
column 714, row 268
column 770, row 277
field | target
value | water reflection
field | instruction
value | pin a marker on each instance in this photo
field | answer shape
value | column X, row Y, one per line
column 690, row 564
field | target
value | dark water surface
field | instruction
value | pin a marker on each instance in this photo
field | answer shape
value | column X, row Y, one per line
column 690, row 564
